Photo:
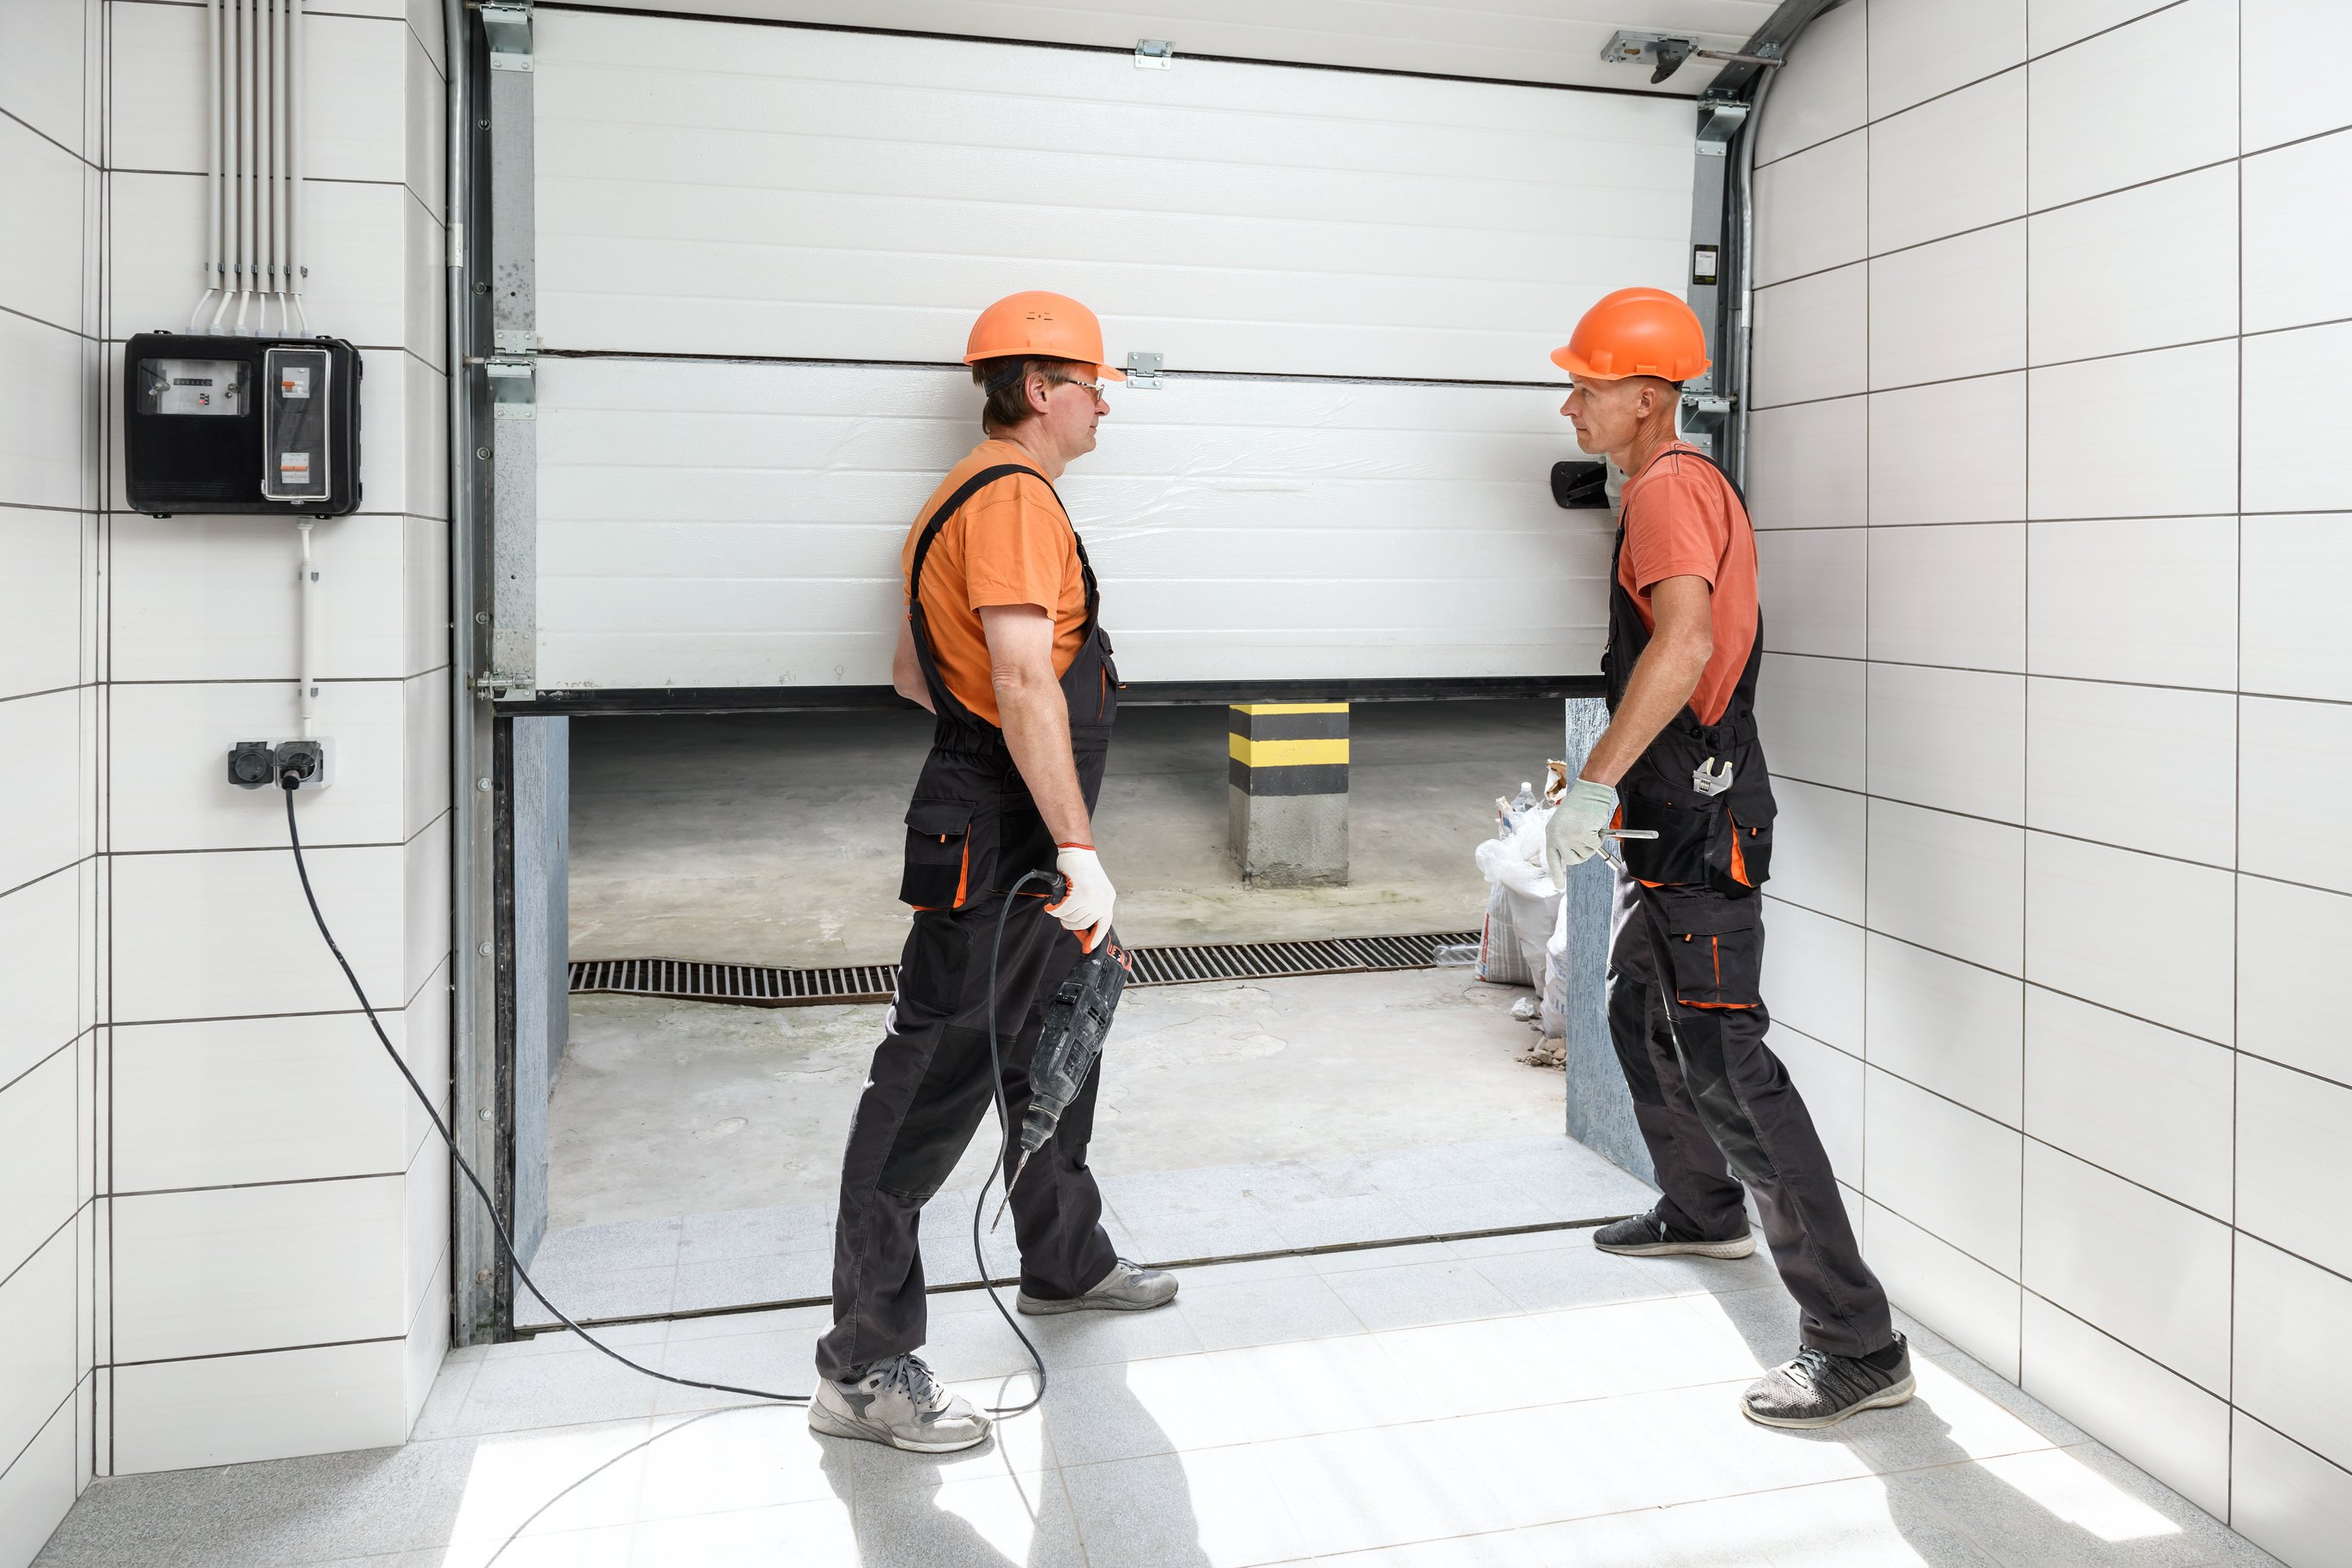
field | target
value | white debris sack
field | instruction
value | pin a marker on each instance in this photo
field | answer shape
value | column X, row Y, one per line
column 1555, row 982
column 1522, row 905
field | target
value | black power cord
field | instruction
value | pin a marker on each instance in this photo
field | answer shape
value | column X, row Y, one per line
column 290, row 780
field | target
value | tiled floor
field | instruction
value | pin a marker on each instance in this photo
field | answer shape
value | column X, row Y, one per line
column 693, row 1262
column 1522, row 1402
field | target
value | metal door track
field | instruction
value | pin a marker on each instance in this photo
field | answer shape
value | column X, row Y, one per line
column 753, row 986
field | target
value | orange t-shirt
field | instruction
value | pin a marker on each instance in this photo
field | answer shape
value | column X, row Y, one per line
column 1009, row 544
column 1682, row 520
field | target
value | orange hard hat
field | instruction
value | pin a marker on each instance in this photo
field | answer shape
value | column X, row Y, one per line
column 1636, row 332
column 1050, row 326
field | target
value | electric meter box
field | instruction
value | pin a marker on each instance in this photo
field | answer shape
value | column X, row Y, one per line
column 242, row 424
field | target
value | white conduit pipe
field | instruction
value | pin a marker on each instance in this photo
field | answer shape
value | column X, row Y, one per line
column 252, row 253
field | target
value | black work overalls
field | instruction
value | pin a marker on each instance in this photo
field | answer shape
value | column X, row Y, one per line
column 1685, row 1006
column 972, row 830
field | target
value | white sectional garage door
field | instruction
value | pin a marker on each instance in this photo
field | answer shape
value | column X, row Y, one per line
column 759, row 249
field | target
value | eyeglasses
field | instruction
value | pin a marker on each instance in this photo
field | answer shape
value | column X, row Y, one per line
column 1093, row 389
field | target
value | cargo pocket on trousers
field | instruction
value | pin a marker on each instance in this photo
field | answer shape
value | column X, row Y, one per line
column 938, row 854
column 1716, row 948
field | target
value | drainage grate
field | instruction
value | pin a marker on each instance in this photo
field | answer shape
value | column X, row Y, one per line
column 751, row 985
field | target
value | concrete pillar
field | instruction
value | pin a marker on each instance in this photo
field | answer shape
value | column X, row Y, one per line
column 1287, row 800
column 1600, row 1107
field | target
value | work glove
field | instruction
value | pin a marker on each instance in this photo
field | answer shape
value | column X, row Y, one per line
column 1572, row 837
column 1085, row 906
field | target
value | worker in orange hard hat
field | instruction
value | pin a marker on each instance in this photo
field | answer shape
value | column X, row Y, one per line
column 1003, row 641
column 1681, row 761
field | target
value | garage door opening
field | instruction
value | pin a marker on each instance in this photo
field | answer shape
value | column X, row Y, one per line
column 754, row 252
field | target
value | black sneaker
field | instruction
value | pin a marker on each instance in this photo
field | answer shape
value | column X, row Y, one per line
column 1647, row 1236
column 1819, row 1389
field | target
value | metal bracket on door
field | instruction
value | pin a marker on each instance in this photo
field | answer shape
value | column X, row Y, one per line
column 1142, row 371
column 1153, row 54
column 508, row 25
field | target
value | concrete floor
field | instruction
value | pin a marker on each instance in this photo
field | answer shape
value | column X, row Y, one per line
column 776, row 839
column 1524, row 1401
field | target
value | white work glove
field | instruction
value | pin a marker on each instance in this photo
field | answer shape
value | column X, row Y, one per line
column 1572, row 837
column 1085, row 908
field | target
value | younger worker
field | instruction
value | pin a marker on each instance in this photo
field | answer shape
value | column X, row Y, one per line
column 1004, row 643
column 1681, row 758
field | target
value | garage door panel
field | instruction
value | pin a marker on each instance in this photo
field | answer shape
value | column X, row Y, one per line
column 837, row 196
column 737, row 505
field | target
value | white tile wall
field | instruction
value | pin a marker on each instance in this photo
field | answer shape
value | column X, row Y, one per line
column 2293, row 461
column 2285, row 1498
column 2168, row 615
column 37, row 1366
column 1944, row 1168
column 1949, row 595
column 2151, row 435
column 1952, row 738
column 1948, row 1027
column 40, row 599
column 1813, row 709
column 2287, row 934
column 1974, row 1306
column 233, row 1269
column 2137, row 599
column 41, row 1002
column 1951, row 309
column 2152, row 1105
column 2290, row 1139
column 44, row 182
column 2138, row 103
column 2139, row 933
column 1922, row 48
column 1952, row 451
column 259, row 1100
column 2088, row 742
column 2139, row 1267
column 41, row 80
column 1828, row 83
column 170, row 1415
column 2284, row 48
column 2285, row 1305
column 1807, row 466
column 1814, row 982
column 2294, row 639
column 1814, row 577
column 1817, row 847
column 2298, row 213
column 37, row 1489
column 1947, row 883
column 1831, row 1082
column 1956, row 163
column 2097, row 288
column 1810, row 208
column 2282, row 747
column 2180, row 1433
column 41, row 431
column 1811, row 338
column 37, row 1154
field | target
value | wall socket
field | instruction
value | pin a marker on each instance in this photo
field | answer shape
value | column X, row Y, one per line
column 258, row 765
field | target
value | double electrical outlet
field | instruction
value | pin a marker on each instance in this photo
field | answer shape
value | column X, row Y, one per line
column 260, row 764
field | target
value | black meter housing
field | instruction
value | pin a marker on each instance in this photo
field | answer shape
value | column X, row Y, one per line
column 241, row 425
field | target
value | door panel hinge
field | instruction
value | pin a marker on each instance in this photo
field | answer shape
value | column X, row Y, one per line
column 507, row 23
column 1153, row 54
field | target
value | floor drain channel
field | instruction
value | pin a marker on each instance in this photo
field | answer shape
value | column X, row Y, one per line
column 752, row 986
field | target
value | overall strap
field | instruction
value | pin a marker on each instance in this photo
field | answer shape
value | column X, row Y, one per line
column 953, row 504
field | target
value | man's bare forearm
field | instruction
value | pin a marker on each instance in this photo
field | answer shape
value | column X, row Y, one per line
column 1036, row 721
column 1663, row 680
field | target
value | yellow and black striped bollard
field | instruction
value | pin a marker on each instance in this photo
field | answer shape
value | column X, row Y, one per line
column 1287, row 794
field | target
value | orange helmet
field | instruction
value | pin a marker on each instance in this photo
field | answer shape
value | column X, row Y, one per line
column 1051, row 326
column 1636, row 332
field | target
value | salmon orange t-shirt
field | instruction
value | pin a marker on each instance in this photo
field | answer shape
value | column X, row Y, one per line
column 1009, row 544
column 1682, row 520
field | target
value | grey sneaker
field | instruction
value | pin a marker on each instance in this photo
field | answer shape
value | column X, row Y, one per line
column 1647, row 1236
column 1128, row 1288
column 899, row 1404
column 1818, row 1389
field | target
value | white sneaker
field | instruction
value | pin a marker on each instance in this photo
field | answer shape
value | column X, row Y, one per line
column 1128, row 1288
column 899, row 1404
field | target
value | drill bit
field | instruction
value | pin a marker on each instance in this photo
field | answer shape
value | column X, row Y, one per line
column 1008, row 1193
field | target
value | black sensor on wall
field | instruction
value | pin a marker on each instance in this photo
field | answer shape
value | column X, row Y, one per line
column 1579, row 485
column 241, row 425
